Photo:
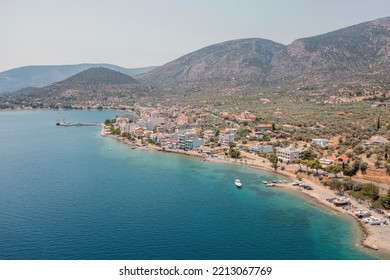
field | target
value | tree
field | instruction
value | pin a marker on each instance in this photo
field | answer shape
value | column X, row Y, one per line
column 387, row 166
column 315, row 164
column 308, row 154
column 356, row 165
column 349, row 171
column 378, row 123
column 370, row 190
column 306, row 163
column 234, row 153
column 334, row 169
column 335, row 184
column 274, row 160
column 385, row 200
column 363, row 167
column 299, row 161
column 348, row 184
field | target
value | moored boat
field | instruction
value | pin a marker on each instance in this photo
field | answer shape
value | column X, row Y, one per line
column 377, row 221
column 238, row 183
column 362, row 214
column 341, row 201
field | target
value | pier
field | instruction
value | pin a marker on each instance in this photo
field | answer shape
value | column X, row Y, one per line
column 63, row 123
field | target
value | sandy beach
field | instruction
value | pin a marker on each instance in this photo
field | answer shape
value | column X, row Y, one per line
column 373, row 237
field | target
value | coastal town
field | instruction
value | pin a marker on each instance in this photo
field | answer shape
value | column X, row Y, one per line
column 341, row 181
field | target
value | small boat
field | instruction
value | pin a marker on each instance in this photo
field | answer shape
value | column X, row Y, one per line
column 362, row 214
column 237, row 182
column 342, row 201
column 374, row 221
column 264, row 182
column 110, row 148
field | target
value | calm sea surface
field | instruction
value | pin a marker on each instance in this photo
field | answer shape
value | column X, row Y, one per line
column 64, row 194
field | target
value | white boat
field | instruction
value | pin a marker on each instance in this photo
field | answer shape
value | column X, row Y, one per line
column 265, row 182
column 237, row 182
column 376, row 221
column 362, row 214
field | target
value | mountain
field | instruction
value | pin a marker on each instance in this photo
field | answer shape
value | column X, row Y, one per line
column 237, row 61
column 350, row 53
column 40, row 76
column 92, row 86
column 360, row 49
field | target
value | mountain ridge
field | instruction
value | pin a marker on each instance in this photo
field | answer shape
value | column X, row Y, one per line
column 90, row 86
column 353, row 61
column 43, row 75
column 359, row 49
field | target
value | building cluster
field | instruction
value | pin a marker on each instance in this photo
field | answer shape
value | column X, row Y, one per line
column 174, row 128
column 180, row 128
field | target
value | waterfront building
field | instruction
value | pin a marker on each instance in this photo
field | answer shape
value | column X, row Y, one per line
column 288, row 154
column 208, row 135
column 264, row 149
column 226, row 136
column 153, row 123
column 189, row 141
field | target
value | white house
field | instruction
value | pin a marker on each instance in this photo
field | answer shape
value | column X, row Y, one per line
column 321, row 142
column 377, row 141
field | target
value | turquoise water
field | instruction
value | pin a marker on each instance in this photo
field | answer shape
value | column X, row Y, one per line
column 64, row 194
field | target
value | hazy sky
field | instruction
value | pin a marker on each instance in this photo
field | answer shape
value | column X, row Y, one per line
column 136, row 33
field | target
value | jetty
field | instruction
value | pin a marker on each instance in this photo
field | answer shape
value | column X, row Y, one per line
column 63, row 123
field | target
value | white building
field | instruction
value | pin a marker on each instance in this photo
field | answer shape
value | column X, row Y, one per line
column 288, row 154
column 189, row 141
column 377, row 141
column 321, row 142
column 226, row 136
column 264, row 149
column 208, row 135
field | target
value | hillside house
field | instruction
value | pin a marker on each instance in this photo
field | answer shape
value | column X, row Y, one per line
column 320, row 142
column 264, row 127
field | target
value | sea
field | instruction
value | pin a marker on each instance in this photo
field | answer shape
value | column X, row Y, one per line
column 67, row 193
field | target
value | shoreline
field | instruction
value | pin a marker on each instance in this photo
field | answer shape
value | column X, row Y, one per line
column 375, row 238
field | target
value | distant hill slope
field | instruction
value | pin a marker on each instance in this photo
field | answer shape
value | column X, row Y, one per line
column 90, row 86
column 40, row 76
column 362, row 49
